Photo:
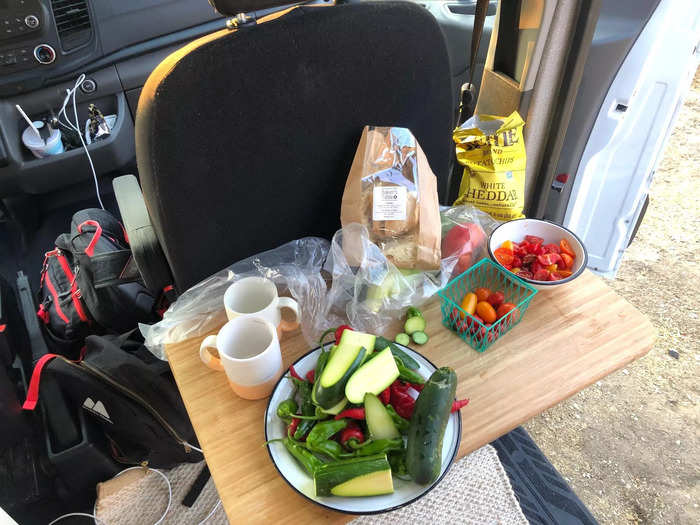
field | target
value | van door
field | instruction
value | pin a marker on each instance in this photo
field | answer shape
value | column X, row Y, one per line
column 611, row 184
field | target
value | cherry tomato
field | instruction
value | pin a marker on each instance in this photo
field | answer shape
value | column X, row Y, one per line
column 536, row 267
column 517, row 262
column 471, row 322
column 495, row 299
column 486, row 312
column 551, row 268
column 525, row 274
column 533, row 239
column 504, row 256
column 551, row 248
column 565, row 247
column 567, row 260
column 529, row 258
column 468, row 304
column 537, row 249
column 508, row 307
column 482, row 294
column 540, row 275
column 549, row 258
column 554, row 276
column 565, row 273
column 508, row 245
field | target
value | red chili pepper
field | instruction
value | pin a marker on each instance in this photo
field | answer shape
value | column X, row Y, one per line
column 402, row 402
column 310, row 375
column 352, row 413
column 385, row 396
column 293, row 426
column 456, row 405
column 339, row 332
column 294, row 374
column 417, row 387
column 352, row 431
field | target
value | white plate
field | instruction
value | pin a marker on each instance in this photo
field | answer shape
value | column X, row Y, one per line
column 405, row 492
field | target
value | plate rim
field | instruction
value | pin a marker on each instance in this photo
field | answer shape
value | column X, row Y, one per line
column 370, row 512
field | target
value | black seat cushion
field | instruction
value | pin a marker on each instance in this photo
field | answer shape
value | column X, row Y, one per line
column 244, row 139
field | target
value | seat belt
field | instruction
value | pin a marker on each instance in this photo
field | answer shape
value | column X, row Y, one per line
column 468, row 92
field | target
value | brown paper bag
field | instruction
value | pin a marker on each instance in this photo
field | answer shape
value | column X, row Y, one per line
column 392, row 191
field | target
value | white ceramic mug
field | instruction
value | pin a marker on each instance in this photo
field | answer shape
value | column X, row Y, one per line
column 257, row 297
column 249, row 353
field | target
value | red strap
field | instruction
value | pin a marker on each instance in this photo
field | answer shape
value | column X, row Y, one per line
column 2, row 328
column 90, row 250
column 126, row 235
column 43, row 314
column 33, row 391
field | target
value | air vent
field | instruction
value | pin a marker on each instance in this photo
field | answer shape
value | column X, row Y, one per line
column 72, row 19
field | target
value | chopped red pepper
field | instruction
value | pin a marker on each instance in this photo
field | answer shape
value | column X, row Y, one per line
column 417, row 387
column 339, row 332
column 456, row 405
column 401, row 400
column 293, row 426
column 294, row 374
column 352, row 413
column 385, row 396
column 310, row 375
column 352, row 431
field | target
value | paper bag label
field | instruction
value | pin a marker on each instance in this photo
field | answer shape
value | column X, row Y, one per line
column 389, row 203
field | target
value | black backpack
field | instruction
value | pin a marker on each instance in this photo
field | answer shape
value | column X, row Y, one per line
column 90, row 283
column 131, row 394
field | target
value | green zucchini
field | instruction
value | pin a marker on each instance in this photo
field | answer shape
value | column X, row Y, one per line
column 402, row 339
column 361, row 476
column 343, row 356
column 373, row 376
column 427, row 427
column 329, row 395
column 414, row 324
column 379, row 421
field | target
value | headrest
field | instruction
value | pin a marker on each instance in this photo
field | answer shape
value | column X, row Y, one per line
column 233, row 7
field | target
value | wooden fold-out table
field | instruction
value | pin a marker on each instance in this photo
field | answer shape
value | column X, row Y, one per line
column 568, row 339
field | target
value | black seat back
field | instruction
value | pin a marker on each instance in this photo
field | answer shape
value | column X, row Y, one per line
column 244, row 138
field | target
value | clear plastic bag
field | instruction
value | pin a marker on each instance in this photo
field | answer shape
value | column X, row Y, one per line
column 369, row 293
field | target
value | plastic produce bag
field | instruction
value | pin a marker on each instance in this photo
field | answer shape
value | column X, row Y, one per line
column 492, row 151
column 295, row 267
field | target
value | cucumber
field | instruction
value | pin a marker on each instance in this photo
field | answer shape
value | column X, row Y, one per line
column 402, row 339
column 355, row 477
column 329, row 395
column 379, row 421
column 420, row 338
column 381, row 343
column 373, row 377
column 427, row 427
column 414, row 324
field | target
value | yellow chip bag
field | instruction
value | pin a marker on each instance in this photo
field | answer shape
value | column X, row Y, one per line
column 492, row 151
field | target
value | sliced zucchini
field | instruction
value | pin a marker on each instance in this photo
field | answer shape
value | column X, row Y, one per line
column 373, row 377
column 336, row 409
column 402, row 339
column 328, row 395
column 362, row 476
column 379, row 421
column 420, row 338
column 414, row 324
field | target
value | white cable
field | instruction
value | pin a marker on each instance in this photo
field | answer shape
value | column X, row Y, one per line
column 194, row 448
column 210, row 513
column 85, row 514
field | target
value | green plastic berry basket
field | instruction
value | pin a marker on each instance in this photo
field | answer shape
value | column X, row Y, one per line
column 485, row 274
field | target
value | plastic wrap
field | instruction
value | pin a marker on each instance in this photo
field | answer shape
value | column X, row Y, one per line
column 367, row 291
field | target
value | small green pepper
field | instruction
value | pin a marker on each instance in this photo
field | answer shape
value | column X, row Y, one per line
column 371, row 447
column 307, row 409
column 321, row 363
column 328, row 447
column 325, row 430
column 286, row 409
column 400, row 423
column 303, row 456
column 408, row 375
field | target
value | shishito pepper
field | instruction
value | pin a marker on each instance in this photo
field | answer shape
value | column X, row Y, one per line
column 307, row 409
column 408, row 375
column 400, row 423
column 376, row 446
column 286, row 409
column 319, row 440
column 302, row 455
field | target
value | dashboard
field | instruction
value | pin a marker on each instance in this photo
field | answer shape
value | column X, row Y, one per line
column 46, row 44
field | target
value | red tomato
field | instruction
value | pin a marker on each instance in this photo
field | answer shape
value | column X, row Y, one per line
column 567, row 260
column 554, row 276
column 517, row 262
column 551, row 248
column 495, row 299
column 529, row 258
column 493, row 335
column 533, row 239
column 525, row 274
column 541, row 275
column 537, row 249
column 504, row 256
column 482, row 294
column 549, row 258
column 566, row 248
column 536, row 267
column 508, row 307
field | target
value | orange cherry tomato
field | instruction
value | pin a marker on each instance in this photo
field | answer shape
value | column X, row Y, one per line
column 504, row 256
column 565, row 273
column 486, row 312
column 567, row 260
column 482, row 294
column 566, row 248
column 468, row 304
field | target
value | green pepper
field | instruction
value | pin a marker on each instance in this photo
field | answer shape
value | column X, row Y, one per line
column 303, row 456
column 328, row 447
column 408, row 375
column 321, row 363
column 376, row 446
column 286, row 409
column 400, row 423
column 307, row 409
column 325, row 430
column 397, row 460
